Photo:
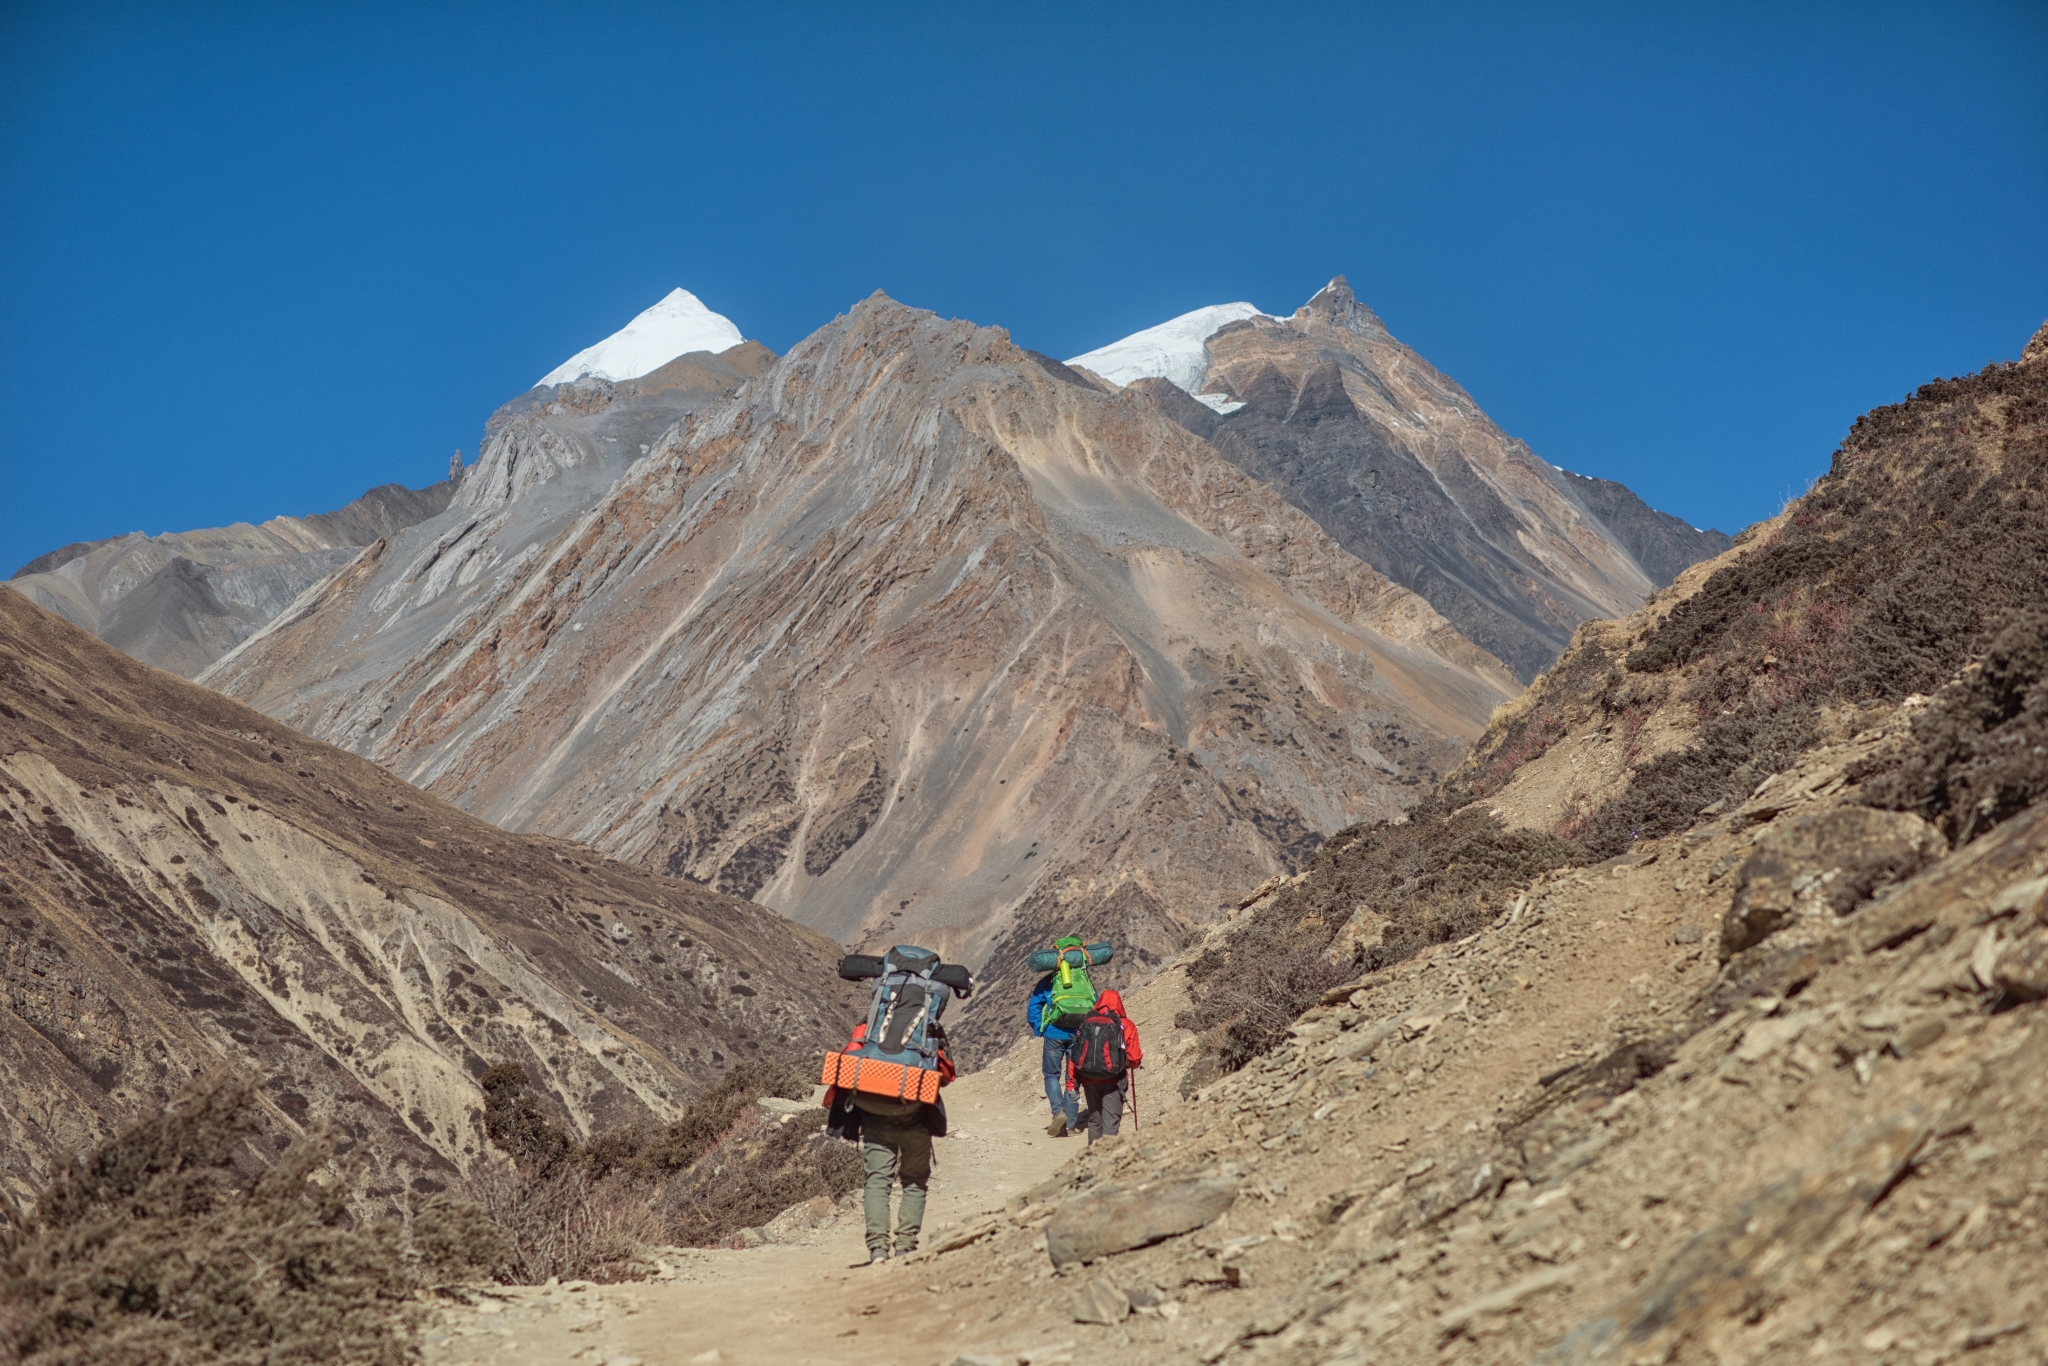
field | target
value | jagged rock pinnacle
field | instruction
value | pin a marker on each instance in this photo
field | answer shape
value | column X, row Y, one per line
column 1335, row 303
column 2036, row 349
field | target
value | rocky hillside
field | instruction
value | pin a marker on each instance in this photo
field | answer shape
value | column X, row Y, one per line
column 920, row 636
column 1399, row 466
column 183, row 599
column 1897, row 574
column 186, row 884
column 1702, row 1016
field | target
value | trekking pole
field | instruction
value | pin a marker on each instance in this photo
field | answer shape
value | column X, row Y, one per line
column 1132, row 1075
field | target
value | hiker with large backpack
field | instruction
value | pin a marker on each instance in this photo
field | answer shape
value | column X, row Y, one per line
column 1105, row 1052
column 882, row 1090
column 1060, row 1001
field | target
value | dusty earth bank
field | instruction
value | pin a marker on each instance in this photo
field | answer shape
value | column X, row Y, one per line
column 1578, row 1135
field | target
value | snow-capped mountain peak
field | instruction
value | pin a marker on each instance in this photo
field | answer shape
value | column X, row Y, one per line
column 1175, row 350
column 677, row 325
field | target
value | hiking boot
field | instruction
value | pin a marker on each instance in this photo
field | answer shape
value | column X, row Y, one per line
column 1058, row 1127
column 877, row 1255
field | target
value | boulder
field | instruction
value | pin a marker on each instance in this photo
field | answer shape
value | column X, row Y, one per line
column 2022, row 970
column 1116, row 1219
column 1099, row 1301
column 1827, row 862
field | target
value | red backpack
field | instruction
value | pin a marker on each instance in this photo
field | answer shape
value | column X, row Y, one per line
column 1098, row 1049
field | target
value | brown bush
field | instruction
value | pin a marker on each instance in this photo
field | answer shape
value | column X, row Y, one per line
column 568, row 1223
column 760, row 1168
column 456, row 1241
column 592, row 1209
column 516, row 1123
column 152, row 1249
column 1926, row 539
column 1432, row 877
column 1978, row 755
column 712, row 1116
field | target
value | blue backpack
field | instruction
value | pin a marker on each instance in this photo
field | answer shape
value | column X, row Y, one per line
column 903, row 1036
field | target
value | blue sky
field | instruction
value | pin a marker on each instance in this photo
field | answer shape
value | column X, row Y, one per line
column 257, row 258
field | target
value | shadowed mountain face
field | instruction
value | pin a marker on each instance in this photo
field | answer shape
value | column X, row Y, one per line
column 1400, row 467
column 917, row 637
column 185, row 883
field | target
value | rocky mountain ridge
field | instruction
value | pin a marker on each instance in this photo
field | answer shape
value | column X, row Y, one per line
column 1188, row 600
column 183, row 599
column 918, row 635
column 186, row 885
column 1398, row 465
column 1763, row 1084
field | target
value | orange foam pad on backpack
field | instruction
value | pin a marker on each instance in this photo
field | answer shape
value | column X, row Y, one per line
column 850, row 1072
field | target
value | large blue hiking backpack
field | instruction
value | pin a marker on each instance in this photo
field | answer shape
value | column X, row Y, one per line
column 898, row 1053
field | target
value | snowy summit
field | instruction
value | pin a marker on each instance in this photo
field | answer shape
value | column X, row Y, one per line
column 676, row 326
column 1176, row 350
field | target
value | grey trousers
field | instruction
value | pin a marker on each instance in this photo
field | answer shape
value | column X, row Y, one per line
column 1104, row 1112
column 888, row 1156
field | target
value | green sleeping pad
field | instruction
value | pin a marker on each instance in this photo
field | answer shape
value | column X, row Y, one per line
column 1045, row 960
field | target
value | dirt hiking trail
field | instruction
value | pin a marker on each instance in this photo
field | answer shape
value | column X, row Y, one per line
column 1570, row 1137
column 803, row 1298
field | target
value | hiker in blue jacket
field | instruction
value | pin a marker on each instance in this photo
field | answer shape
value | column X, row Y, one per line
column 1065, row 1104
column 1076, row 998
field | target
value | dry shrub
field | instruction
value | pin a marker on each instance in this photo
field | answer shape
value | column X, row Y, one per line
column 712, row 1115
column 1925, row 539
column 759, row 1169
column 1978, row 755
column 151, row 1249
column 1729, row 756
column 1432, row 877
column 568, row 1223
column 456, row 1241
column 516, row 1122
column 591, row 1210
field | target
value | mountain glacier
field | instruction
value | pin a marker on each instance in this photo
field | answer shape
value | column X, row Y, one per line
column 679, row 324
column 1176, row 350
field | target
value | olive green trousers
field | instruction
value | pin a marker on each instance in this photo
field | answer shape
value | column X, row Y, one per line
column 888, row 1156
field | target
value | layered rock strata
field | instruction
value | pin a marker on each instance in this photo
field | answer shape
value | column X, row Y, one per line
column 187, row 885
column 1398, row 465
column 919, row 636
column 1765, row 1085
column 183, row 599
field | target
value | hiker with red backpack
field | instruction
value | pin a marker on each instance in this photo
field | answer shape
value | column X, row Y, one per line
column 882, row 1089
column 1102, row 1057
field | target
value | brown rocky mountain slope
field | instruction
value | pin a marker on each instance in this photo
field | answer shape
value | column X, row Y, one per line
column 183, row 599
column 187, row 884
column 1927, row 538
column 1577, row 1136
column 920, row 636
column 1767, row 1086
column 1397, row 463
